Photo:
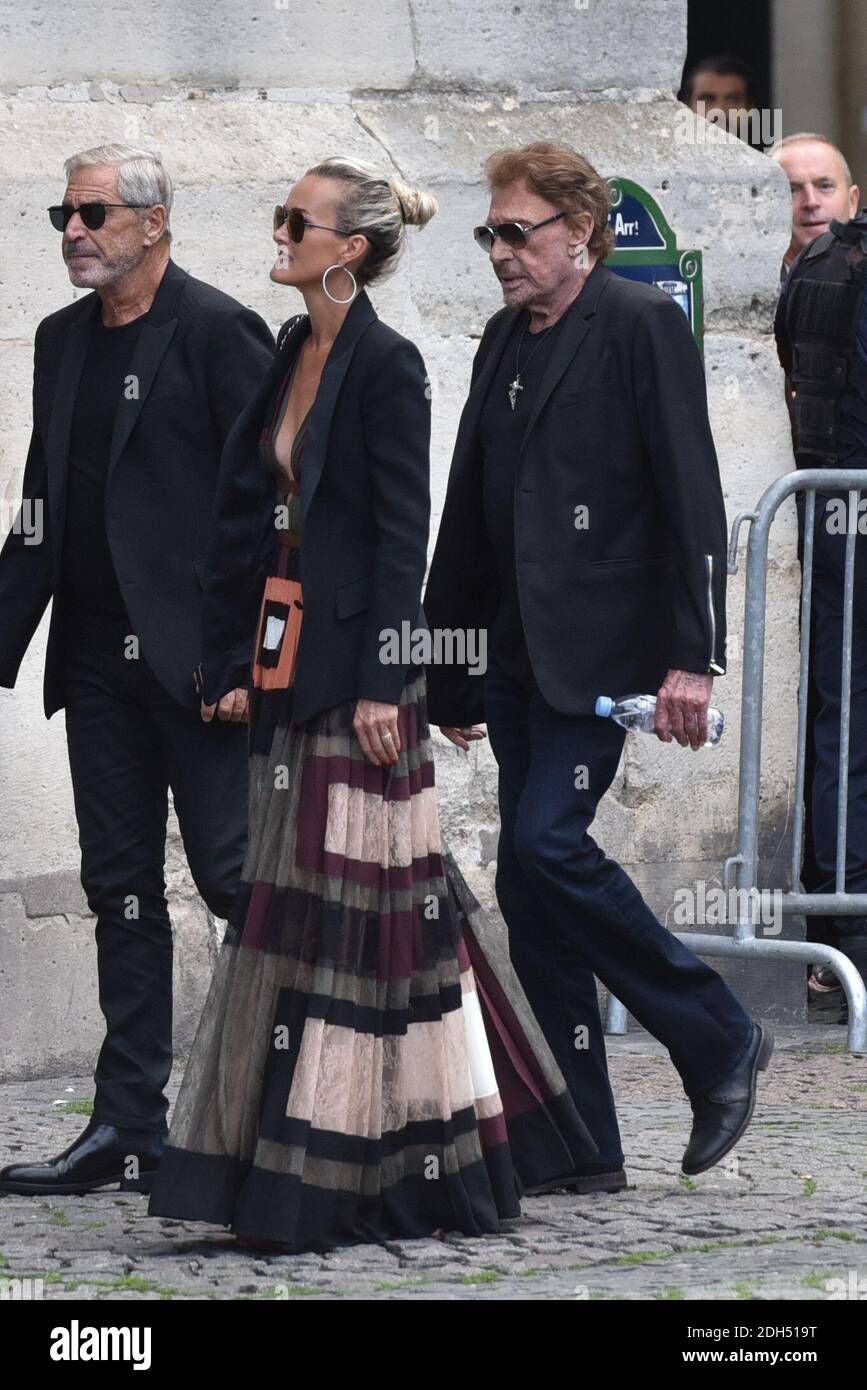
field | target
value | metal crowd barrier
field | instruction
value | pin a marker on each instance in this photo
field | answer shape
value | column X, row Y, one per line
column 744, row 943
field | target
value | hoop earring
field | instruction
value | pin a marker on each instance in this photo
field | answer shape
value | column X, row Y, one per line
column 325, row 276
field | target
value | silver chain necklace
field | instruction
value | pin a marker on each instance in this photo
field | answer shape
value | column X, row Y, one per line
column 515, row 386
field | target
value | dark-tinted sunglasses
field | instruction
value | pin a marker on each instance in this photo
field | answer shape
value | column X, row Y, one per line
column 91, row 214
column 297, row 223
column 514, row 234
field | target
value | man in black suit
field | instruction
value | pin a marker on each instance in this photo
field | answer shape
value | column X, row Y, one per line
column 135, row 390
column 584, row 526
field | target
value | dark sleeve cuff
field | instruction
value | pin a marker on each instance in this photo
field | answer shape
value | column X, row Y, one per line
column 212, row 686
column 696, row 663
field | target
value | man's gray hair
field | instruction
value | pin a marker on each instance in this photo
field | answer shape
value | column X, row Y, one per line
column 142, row 177
column 811, row 135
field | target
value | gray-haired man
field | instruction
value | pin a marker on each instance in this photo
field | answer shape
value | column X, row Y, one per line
column 135, row 390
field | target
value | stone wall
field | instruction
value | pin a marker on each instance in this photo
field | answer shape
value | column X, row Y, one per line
column 240, row 100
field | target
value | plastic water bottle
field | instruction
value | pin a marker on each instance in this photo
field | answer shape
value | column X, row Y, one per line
column 637, row 712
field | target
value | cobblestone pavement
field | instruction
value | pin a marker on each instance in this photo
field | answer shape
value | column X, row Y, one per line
column 784, row 1218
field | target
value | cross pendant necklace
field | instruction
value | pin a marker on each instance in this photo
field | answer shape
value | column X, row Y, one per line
column 515, row 386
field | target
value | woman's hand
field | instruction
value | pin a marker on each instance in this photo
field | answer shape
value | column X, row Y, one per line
column 462, row 738
column 375, row 725
column 234, row 707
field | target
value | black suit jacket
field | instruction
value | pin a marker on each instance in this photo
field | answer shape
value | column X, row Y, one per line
column 199, row 358
column 365, row 507
column 619, row 426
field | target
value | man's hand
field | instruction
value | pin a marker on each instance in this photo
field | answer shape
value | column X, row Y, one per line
column 462, row 738
column 681, row 708
column 375, row 726
column 234, row 707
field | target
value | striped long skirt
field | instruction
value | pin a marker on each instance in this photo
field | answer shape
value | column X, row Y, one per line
column 366, row 1066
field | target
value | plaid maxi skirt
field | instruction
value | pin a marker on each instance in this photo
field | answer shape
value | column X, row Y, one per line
column 366, row 1066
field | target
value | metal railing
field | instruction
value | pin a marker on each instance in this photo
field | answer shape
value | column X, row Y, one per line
column 744, row 942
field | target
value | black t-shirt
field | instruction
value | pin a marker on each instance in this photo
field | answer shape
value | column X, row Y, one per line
column 92, row 598
column 501, row 431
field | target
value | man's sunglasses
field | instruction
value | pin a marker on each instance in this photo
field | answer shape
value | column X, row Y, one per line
column 297, row 223
column 91, row 214
column 514, row 234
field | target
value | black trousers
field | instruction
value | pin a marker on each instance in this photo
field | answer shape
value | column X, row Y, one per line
column 829, row 553
column 572, row 913
column 128, row 742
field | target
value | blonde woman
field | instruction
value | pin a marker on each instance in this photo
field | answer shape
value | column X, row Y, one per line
column 345, row 1080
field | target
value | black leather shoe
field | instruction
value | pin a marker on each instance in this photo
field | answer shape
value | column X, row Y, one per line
column 721, row 1117
column 582, row 1183
column 97, row 1158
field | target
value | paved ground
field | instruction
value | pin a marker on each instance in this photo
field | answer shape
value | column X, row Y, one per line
column 784, row 1219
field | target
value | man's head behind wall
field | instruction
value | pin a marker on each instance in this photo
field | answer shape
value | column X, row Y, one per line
column 719, row 83
column 821, row 184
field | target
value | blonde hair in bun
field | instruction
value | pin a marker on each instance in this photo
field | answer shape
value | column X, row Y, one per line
column 380, row 207
column 418, row 207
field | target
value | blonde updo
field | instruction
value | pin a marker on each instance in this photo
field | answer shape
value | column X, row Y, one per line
column 380, row 207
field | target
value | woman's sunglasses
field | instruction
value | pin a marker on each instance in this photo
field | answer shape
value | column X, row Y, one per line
column 514, row 234
column 297, row 223
column 91, row 214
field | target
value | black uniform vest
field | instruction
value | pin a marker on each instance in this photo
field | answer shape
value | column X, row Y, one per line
column 822, row 301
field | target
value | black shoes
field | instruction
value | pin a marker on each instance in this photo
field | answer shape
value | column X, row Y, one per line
column 100, row 1156
column 721, row 1117
column 582, row 1183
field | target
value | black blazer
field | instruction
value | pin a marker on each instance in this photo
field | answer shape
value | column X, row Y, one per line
column 365, row 507
column 198, row 360
column 619, row 426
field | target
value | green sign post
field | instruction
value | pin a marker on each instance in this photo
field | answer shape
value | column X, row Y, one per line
column 647, row 250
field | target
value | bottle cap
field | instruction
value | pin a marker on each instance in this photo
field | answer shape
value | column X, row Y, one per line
column 604, row 706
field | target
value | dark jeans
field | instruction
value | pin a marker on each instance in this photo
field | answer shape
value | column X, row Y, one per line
column 128, row 742
column 829, row 552
column 572, row 913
